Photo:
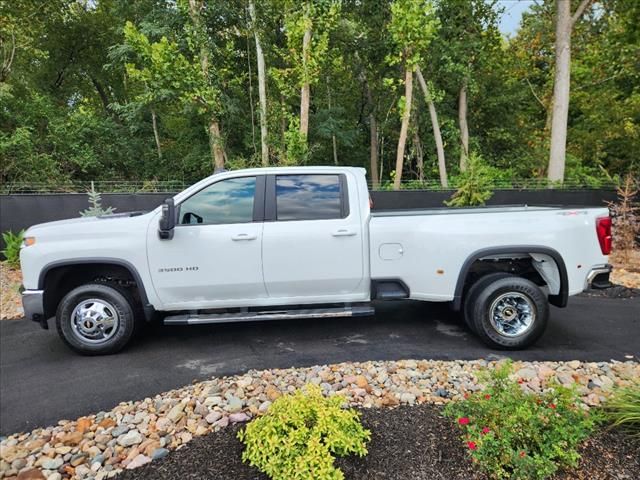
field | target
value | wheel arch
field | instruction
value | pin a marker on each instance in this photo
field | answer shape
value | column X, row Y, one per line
column 52, row 267
column 559, row 300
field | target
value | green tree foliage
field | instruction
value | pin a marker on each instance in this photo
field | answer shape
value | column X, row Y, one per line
column 157, row 89
column 412, row 28
column 474, row 185
column 95, row 205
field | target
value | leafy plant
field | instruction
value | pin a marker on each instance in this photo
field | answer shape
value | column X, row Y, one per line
column 623, row 409
column 475, row 185
column 11, row 252
column 296, row 149
column 301, row 433
column 513, row 434
column 95, row 205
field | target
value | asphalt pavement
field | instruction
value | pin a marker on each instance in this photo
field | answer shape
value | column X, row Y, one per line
column 41, row 381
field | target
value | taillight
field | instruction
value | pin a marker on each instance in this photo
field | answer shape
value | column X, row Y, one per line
column 603, row 229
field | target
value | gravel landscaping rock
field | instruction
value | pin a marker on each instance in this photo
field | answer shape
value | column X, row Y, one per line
column 136, row 431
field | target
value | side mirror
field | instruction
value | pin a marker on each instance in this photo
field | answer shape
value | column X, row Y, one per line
column 167, row 220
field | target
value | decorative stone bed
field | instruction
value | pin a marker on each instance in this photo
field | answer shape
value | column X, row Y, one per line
column 135, row 433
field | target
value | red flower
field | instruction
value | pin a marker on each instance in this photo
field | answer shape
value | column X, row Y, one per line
column 463, row 420
column 552, row 406
column 472, row 445
column 522, row 454
column 485, row 430
column 466, row 395
column 487, row 396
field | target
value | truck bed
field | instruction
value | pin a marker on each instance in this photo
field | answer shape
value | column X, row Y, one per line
column 427, row 248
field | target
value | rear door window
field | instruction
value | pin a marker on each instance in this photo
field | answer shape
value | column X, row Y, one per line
column 309, row 197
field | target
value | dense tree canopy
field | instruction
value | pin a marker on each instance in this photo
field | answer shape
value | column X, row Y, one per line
column 164, row 90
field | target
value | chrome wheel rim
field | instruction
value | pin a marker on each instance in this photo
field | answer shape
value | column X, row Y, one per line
column 94, row 321
column 512, row 314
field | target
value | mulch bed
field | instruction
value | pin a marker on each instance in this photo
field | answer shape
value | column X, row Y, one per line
column 407, row 443
column 616, row 291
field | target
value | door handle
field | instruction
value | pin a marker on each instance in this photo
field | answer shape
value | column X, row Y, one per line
column 243, row 236
column 344, row 232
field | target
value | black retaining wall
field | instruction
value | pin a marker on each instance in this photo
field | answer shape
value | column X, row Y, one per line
column 22, row 211
column 407, row 199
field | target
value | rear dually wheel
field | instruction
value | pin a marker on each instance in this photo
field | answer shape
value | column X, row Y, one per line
column 510, row 313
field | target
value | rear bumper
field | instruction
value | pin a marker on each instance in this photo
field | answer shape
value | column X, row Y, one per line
column 33, row 305
column 598, row 277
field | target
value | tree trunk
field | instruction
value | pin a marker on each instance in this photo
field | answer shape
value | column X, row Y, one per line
column 215, row 145
column 561, row 86
column 404, row 128
column 373, row 134
column 305, row 92
column 333, row 135
column 156, row 134
column 213, row 128
column 7, row 59
column 464, row 128
column 262, row 89
column 560, row 92
column 442, row 165
column 283, row 123
column 419, row 153
column 253, row 115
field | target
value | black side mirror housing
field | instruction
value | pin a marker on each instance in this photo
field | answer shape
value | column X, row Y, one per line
column 167, row 219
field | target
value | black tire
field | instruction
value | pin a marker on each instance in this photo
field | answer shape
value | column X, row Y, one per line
column 528, row 295
column 115, row 298
column 476, row 289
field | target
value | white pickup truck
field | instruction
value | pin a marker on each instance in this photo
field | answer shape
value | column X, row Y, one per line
column 302, row 242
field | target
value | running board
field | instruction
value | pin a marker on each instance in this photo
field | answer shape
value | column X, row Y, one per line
column 198, row 319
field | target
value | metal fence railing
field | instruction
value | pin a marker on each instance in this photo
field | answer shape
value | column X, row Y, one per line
column 171, row 186
column 110, row 186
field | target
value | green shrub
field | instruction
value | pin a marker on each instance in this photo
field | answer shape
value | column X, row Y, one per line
column 299, row 435
column 623, row 409
column 11, row 250
column 475, row 185
column 513, row 434
column 95, row 205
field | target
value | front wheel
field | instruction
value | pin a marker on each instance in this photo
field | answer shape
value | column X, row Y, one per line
column 96, row 319
column 510, row 313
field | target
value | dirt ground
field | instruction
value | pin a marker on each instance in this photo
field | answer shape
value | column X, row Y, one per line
column 10, row 302
column 626, row 268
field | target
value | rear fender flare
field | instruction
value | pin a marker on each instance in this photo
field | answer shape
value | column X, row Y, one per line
column 559, row 300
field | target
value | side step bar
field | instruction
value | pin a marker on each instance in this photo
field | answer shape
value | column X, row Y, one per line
column 203, row 318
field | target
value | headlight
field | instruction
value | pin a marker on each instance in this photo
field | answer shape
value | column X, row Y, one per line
column 28, row 241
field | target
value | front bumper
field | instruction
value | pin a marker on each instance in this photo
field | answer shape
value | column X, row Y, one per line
column 598, row 277
column 33, row 305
